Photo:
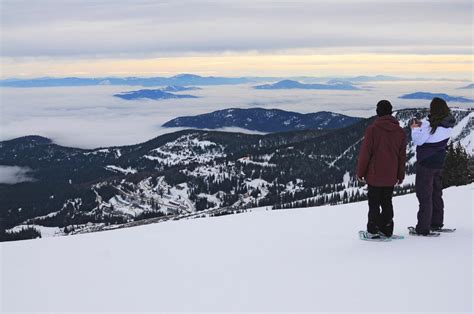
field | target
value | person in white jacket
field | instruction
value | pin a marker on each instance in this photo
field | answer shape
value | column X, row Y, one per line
column 431, row 138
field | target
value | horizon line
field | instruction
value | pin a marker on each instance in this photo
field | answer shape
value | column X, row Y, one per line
column 157, row 75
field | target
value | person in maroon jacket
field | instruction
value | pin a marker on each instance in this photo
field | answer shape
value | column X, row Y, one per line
column 382, row 165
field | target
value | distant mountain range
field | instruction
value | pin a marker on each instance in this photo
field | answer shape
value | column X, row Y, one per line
column 470, row 86
column 376, row 78
column 264, row 120
column 430, row 96
column 290, row 84
column 178, row 88
column 191, row 79
column 178, row 80
column 155, row 94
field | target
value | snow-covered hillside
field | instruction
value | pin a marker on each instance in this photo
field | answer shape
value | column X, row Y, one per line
column 291, row 260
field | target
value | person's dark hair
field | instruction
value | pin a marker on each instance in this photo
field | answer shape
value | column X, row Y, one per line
column 439, row 110
column 384, row 108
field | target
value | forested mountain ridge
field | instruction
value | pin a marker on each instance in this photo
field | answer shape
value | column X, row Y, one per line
column 264, row 120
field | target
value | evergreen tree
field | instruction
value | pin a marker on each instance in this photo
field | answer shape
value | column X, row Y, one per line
column 456, row 168
column 470, row 168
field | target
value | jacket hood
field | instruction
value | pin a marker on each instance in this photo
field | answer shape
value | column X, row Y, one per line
column 387, row 123
column 448, row 122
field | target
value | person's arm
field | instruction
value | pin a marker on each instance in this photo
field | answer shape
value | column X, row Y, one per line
column 402, row 157
column 420, row 134
column 365, row 154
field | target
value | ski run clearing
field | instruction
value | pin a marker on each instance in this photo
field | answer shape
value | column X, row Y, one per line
column 291, row 260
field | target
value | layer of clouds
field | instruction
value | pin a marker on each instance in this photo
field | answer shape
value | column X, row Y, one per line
column 14, row 174
column 91, row 117
column 102, row 28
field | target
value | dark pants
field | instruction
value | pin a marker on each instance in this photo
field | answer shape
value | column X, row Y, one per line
column 429, row 191
column 380, row 197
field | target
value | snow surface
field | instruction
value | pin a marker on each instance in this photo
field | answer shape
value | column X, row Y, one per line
column 246, row 160
column 45, row 231
column 99, row 151
column 467, row 141
column 288, row 260
column 183, row 151
column 140, row 197
column 120, row 169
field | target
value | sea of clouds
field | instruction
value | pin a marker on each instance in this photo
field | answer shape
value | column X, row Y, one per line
column 14, row 174
column 90, row 117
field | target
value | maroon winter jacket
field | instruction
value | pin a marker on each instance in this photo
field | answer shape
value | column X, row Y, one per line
column 383, row 153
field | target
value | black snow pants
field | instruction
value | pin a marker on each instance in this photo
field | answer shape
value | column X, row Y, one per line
column 380, row 220
column 429, row 191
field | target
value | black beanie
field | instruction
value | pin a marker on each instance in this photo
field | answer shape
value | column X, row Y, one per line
column 384, row 108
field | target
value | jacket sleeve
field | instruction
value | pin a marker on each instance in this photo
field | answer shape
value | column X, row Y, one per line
column 365, row 154
column 420, row 135
column 402, row 157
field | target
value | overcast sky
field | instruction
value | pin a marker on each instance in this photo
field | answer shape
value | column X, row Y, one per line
column 49, row 35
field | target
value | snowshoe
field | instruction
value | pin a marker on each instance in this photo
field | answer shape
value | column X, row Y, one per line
column 393, row 236
column 412, row 231
column 443, row 230
column 375, row 237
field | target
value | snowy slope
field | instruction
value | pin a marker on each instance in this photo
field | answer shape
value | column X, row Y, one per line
column 291, row 260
